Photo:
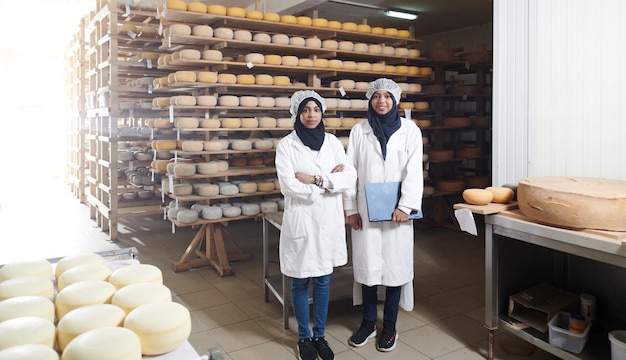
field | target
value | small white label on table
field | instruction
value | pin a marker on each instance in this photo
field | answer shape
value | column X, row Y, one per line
column 466, row 220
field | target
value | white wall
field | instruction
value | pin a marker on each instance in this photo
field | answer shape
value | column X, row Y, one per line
column 558, row 89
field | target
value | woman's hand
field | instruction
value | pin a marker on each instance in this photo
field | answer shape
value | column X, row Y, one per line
column 355, row 222
column 399, row 216
column 305, row 178
column 338, row 168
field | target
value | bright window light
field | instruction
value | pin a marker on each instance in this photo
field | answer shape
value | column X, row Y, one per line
column 401, row 14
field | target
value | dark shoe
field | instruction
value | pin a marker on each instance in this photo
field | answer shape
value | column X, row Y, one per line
column 387, row 339
column 324, row 351
column 306, row 350
column 365, row 332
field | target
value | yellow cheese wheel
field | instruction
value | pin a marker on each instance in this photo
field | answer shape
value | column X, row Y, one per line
column 212, row 55
column 476, row 196
column 289, row 60
column 196, row 6
column 231, row 123
column 29, row 352
column 402, row 69
column 391, row 31
column 228, row 100
column 406, row 105
column 26, row 330
column 206, row 77
column 391, row 68
column 226, row 78
column 27, row 286
column 264, row 79
column 378, row 67
column 185, row 76
column 347, row 122
column 321, row 63
column 414, row 70
column 82, row 273
column 319, row 22
column 83, row 293
column 125, row 28
column 349, row 65
column 304, row 62
column 426, row 71
column 349, row 26
column 404, row 33
column 40, row 267
column 106, row 343
column 335, row 64
column 422, row 105
column 414, row 53
column 247, row 187
column 333, row 24
column 501, row 194
column 135, row 274
column 288, row 19
column 284, row 123
column 249, row 123
column 164, row 145
column 190, row 54
column 184, row 100
column 176, row 5
column 377, row 30
column 216, row 9
column 363, row 28
column 273, row 59
column 86, row 318
column 254, row 14
column 235, row 11
column 265, row 186
column 282, row 80
column 245, row 79
column 159, row 165
column 210, row 124
column 193, row 145
column 271, row 17
column 304, row 20
column 27, row 305
column 267, row 122
column 160, row 326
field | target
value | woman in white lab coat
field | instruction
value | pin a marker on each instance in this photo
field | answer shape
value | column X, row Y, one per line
column 386, row 148
column 313, row 171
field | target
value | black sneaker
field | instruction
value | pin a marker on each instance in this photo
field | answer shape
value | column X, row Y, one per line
column 306, row 350
column 324, row 351
column 387, row 339
column 365, row 332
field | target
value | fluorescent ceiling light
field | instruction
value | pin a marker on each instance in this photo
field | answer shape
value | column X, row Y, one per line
column 401, row 14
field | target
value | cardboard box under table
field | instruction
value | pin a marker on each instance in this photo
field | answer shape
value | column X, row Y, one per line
column 537, row 305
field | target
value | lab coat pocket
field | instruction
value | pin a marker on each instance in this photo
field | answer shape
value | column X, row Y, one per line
column 294, row 252
column 398, row 159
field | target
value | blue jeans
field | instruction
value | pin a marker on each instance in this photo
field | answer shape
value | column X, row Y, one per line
column 300, row 302
column 392, row 302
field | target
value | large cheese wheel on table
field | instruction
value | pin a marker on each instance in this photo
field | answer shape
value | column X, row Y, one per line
column 27, row 305
column 83, row 293
column 132, row 296
column 29, row 352
column 14, row 269
column 82, row 273
column 574, row 202
column 476, row 196
column 84, row 258
column 26, row 330
column 87, row 318
column 26, row 286
column 106, row 343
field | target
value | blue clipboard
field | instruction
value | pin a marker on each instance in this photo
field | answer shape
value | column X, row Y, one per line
column 382, row 199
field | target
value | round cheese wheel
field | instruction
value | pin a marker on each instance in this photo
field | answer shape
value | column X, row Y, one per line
column 187, row 123
column 184, row 169
column 289, row 60
column 321, row 63
column 280, row 39
column 281, row 80
column 247, row 187
column 344, row 103
column 184, row 100
column 263, row 144
column 334, row 24
column 264, row 79
column 261, row 37
column 26, row 330
column 422, row 105
column 414, row 53
column 240, row 144
column 208, row 190
column 206, row 100
column 389, row 50
column 202, row 30
column 406, row 105
column 284, row 123
column 159, row 145
column 160, row 165
column 347, row 122
column 254, row 14
column 210, row 123
column 134, row 295
column 404, row 33
column 255, row 161
column 190, row 54
column 223, row 33
column 297, row 41
column 82, row 273
column 213, row 145
column 29, row 352
column 15, row 269
column 212, row 212
column 238, row 162
column 105, row 343
column 304, row 20
column 347, row 83
column 319, row 22
column 206, row 77
column 245, row 79
column 231, row 211
column 335, row 64
column 415, row 87
column 269, row 207
column 226, row 78
column 249, row 123
column 27, row 285
column 251, row 209
column 70, row 261
column 391, row 69
column 313, row 42
column 212, row 55
column 304, row 62
column 231, row 123
column 81, row 320
column 282, row 101
column 180, row 29
column 270, row 16
column 84, row 293
column 426, row 71
column 182, row 189
column 332, row 122
column 266, row 101
column 360, row 47
column 267, row 122
column 358, row 104
column 228, row 100
column 222, row 165
column 249, row 101
column 364, row 66
column 273, row 59
column 345, row 45
column 235, row 11
column 349, row 26
column 501, row 195
column 375, row 49
column 242, row 35
column 390, row 31
column 192, row 146
column 185, row 76
column 265, row 186
column 27, row 305
column 216, row 9
column 228, row 189
column 288, row 19
column 476, row 196
column 330, row 44
column 136, row 274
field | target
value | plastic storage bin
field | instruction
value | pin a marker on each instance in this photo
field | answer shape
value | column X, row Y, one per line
column 561, row 337
column 618, row 344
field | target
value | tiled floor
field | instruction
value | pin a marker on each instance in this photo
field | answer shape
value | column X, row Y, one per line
column 229, row 313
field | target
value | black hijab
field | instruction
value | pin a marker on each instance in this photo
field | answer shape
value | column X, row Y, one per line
column 384, row 125
column 313, row 138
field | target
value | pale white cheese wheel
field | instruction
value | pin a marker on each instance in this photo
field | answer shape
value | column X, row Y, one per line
column 182, row 189
column 250, row 209
column 82, row 273
column 80, row 259
column 280, row 39
column 266, row 101
column 284, row 123
column 313, row 42
column 136, row 274
column 184, row 100
column 81, row 320
column 207, row 168
column 26, row 330
column 249, row 101
column 210, row 123
column 344, row 103
column 415, row 87
column 229, row 189
column 212, row 212
column 242, row 35
column 262, row 37
column 223, row 33
column 388, row 50
column 222, row 165
column 206, row 77
column 255, row 58
column 27, row 285
column 190, row 54
column 331, row 103
column 213, row 145
column 27, row 305
column 202, row 30
column 206, row 100
column 283, row 101
column 180, row 29
column 192, row 145
column 248, row 187
column 263, row 144
column 134, row 295
column 161, row 326
column 264, row 79
column 40, row 267
column 228, row 100
column 227, row 78
column 345, row 45
column 106, row 343
column 330, row 44
column 241, row 144
column 347, row 83
column 269, row 207
column 184, row 169
column 185, row 76
column 297, row 41
column 375, row 49
column 83, row 293
column 304, row 62
column 29, row 352
column 289, row 60
column 231, row 211
column 212, row 55
column 231, row 123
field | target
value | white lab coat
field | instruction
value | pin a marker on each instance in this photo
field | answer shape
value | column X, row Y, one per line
column 313, row 234
column 383, row 251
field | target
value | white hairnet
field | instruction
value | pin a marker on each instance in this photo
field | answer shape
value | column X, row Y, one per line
column 384, row 84
column 299, row 96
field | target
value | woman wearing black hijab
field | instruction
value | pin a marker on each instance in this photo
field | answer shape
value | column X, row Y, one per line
column 313, row 172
